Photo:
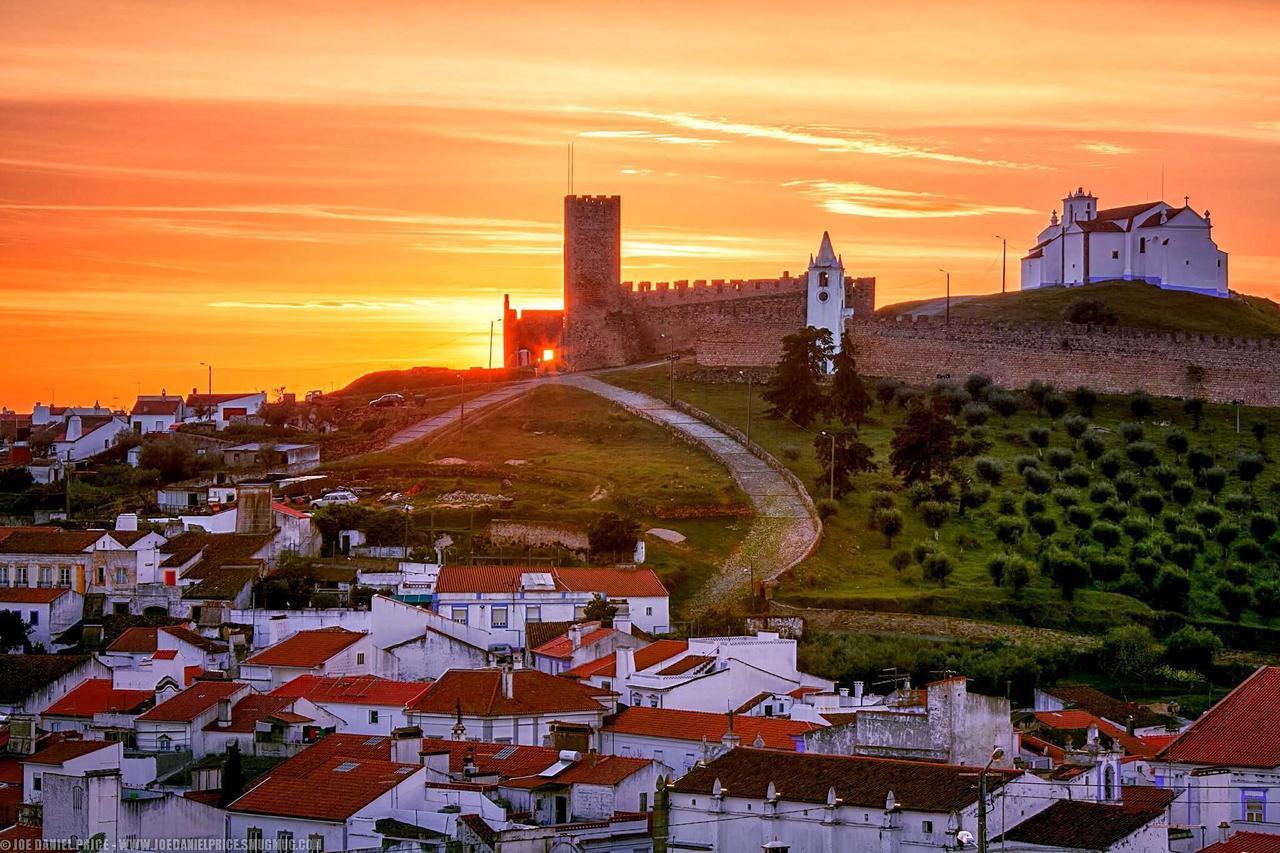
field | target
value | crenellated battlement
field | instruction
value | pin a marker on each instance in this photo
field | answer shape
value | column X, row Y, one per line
column 704, row 290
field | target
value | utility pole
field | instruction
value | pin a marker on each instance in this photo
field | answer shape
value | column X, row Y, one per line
column 462, row 405
column 749, row 381
column 996, row 755
column 671, row 369
column 948, row 275
column 831, row 485
column 491, row 322
column 210, row 366
column 1004, row 265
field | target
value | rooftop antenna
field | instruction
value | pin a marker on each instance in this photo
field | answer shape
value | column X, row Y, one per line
column 1162, row 181
column 569, row 168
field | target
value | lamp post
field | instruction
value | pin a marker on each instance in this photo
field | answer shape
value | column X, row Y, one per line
column 462, row 404
column 996, row 755
column 671, row 368
column 948, row 275
column 1004, row 265
column 210, row 366
column 831, row 485
column 749, row 378
column 491, row 323
column 1237, row 404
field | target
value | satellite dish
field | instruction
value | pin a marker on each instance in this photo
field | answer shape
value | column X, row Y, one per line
column 964, row 838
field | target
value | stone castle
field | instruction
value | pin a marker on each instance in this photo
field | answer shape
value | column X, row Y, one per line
column 607, row 322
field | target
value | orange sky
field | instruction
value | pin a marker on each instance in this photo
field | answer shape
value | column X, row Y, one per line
column 300, row 192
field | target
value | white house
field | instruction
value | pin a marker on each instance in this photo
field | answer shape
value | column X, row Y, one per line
column 47, row 612
column 507, row 597
column 31, row 683
column 136, row 645
column 75, row 437
column 178, row 723
column 825, row 300
column 96, row 706
column 582, row 643
column 681, row 739
column 363, row 704
column 505, row 705
column 328, row 797
column 67, row 758
column 324, row 651
column 156, row 414
column 292, row 458
column 580, row 787
column 261, row 724
column 1155, row 242
column 1225, row 767
column 221, row 409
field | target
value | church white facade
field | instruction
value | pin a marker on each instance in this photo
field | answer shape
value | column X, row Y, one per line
column 1171, row 247
column 827, row 307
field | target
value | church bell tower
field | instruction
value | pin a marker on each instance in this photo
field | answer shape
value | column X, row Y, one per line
column 826, row 291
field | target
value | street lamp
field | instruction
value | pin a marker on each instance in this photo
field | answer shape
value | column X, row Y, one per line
column 462, row 404
column 996, row 755
column 491, row 322
column 1004, row 266
column 1237, row 404
column 948, row 275
column 749, row 380
column 671, row 367
column 210, row 366
column 831, row 486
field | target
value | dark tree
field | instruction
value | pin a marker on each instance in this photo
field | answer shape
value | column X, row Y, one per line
column 1173, row 586
column 1192, row 648
column 935, row 515
column 1142, row 454
column 1055, row 405
column 1194, row 409
column 886, row 390
column 849, row 456
column 1004, row 403
column 923, row 444
column 1259, row 430
column 1038, row 436
column 15, row 633
column 850, row 398
column 1262, row 526
column 1182, row 492
column 600, row 609
column 1037, row 481
column 1215, row 480
column 1091, row 311
column 938, row 567
column 1044, row 525
column 1009, row 531
column 1176, row 441
column 1093, row 446
column 614, row 536
column 1249, row 466
column 889, row 523
column 977, row 384
column 1235, row 599
column 795, row 389
column 1037, row 390
column 1085, row 399
column 1141, row 405
column 1075, row 426
column 1198, row 460
column 1105, row 534
column 1060, row 458
column 1069, row 572
column 232, row 775
column 989, row 469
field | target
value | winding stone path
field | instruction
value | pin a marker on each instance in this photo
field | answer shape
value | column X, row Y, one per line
column 783, row 531
column 449, row 418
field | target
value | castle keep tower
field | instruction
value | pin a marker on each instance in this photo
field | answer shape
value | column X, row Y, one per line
column 826, row 291
column 594, row 302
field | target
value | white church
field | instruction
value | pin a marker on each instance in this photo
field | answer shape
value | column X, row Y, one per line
column 826, row 293
column 1171, row 247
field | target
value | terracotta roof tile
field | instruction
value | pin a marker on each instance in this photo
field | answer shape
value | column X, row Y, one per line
column 352, row 690
column 1081, row 825
column 48, row 541
column 307, row 648
column 688, row 663
column 31, row 595
column 1096, row 702
column 252, row 709
column 1076, row 719
column 23, row 675
column 859, row 780
column 143, row 639
column 494, row 759
column 776, row 732
column 64, row 751
column 194, row 701
column 649, row 656
column 612, row 582
column 151, row 406
column 607, row 770
column 1239, row 731
column 479, row 693
column 199, row 400
column 1128, row 211
column 1247, row 842
column 562, row 646
column 97, row 696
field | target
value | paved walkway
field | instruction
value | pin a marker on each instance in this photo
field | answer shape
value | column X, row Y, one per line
column 782, row 531
column 449, row 418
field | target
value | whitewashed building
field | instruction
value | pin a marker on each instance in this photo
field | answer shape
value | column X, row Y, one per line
column 221, row 409
column 324, row 651
column 1171, row 247
column 151, row 413
column 363, row 704
column 48, row 612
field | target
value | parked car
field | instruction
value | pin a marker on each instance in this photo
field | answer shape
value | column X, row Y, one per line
column 336, row 498
column 387, row 401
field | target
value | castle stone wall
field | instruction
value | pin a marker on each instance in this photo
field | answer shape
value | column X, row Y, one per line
column 595, row 305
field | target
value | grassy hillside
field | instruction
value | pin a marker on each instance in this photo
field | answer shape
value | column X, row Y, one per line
column 855, row 567
column 562, row 455
column 1135, row 304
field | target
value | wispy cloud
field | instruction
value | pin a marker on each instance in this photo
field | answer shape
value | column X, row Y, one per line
column 1109, row 148
column 825, row 139
column 665, row 138
column 854, row 199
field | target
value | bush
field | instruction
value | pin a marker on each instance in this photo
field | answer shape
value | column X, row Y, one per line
column 1033, row 505
column 900, row 560
column 1237, row 503
column 789, row 452
column 1110, row 464
column 1044, row 525
column 1038, row 436
column 1090, row 311
column 922, row 548
column 1085, row 399
column 995, row 567
column 1151, row 502
column 1055, row 405
column 1007, row 505
column 1080, row 517
column 1004, row 403
column 324, row 601
column 934, row 514
column 989, row 469
column 1165, row 476
column 1106, row 534
column 1207, row 516
column 1173, row 585
column 938, row 567
column 1214, row 479
column 977, row 384
column 1176, row 440
column 1037, row 480
column 1092, row 445
column 1126, row 485
column 1141, row 405
column 889, row 523
column 1146, row 569
column 613, row 535
column 1017, row 574
column 1129, row 652
column 1060, row 458
column 1022, row 463
column 827, row 509
column 1135, row 529
column 1131, row 432
column 1065, row 498
column 1009, row 531
column 1142, row 454
column 1113, row 511
column 975, row 414
column 1076, row 476
column 1075, row 426
column 1234, row 598
column 1183, row 492
column 1248, row 551
column 1192, row 648
column 1262, row 526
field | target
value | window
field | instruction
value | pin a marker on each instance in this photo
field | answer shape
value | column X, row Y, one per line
column 34, row 617
column 822, row 279
column 1142, row 246
column 648, row 611
column 46, row 576
column 64, row 576
column 579, row 612
column 373, row 717
column 458, row 614
column 253, row 839
column 4, row 575
column 1254, row 801
column 20, row 576
column 926, row 827
column 122, row 576
column 77, row 798
column 644, row 801
column 315, row 843
column 533, row 613
column 284, row 841
column 635, row 699
column 498, row 616
column 102, row 576
column 1115, row 255
column 359, row 658
column 653, row 700
column 164, row 743
column 37, row 782
column 606, row 684
column 768, row 710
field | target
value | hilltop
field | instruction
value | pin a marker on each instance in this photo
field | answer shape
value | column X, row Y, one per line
column 1135, row 304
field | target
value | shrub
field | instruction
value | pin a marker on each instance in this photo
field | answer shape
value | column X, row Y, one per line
column 1075, row 426
column 1113, row 511
column 1207, row 516
column 613, row 534
column 1032, row 505
column 1141, row 405
column 1069, row 572
column 1110, row 464
column 1085, row 399
column 1022, row 463
column 900, row 560
column 1004, row 403
column 995, row 568
column 1184, row 555
column 1009, row 531
column 989, row 469
column 1017, row 574
column 919, row 493
column 1142, row 454
column 1060, row 458
column 889, row 523
column 1135, row 529
column 1262, row 526
column 977, row 384
column 1044, row 525
column 921, row 549
column 1126, row 485
column 1165, row 476
column 938, row 567
column 1172, row 588
column 1076, row 476
column 1224, row 534
column 1105, row 534
column 975, row 414
column 1055, row 405
column 1080, row 517
column 1092, row 445
column 1192, row 648
column 881, row 500
column 1037, row 390
column 1266, row 599
column 1131, row 432
column 1183, row 492
column 1248, row 551
column 1091, row 311
column 790, row 452
column 827, row 509
column 1249, row 466
column 1198, row 460
column 1191, row 534
column 1237, row 503
column 1146, row 568
column 935, row 515
column 1234, row 598
column 973, row 496
column 1176, row 441
column 1214, row 479
column 1236, row 573
column 1129, row 652
column 1037, row 480
column 1038, row 436
column 1065, row 498
column 1110, row 568
column 1007, row 505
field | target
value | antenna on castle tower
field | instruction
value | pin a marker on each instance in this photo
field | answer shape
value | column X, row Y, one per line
column 1162, row 181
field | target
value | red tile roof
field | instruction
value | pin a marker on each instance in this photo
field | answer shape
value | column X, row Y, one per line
column 329, row 781
column 1075, row 719
column 686, row 664
column 1127, row 212
column 64, row 751
column 1247, row 842
column 1239, row 731
column 614, row 583
column 352, row 690
column 479, row 693
column 859, row 780
column 285, row 509
column 562, row 646
column 168, row 406
column 307, row 648
column 776, row 732
column 649, row 656
column 97, row 696
column 1096, row 702
column 192, row 702
column 1081, row 825
column 30, row 595
column 590, row 770
column 200, row 400
column 494, row 759
column 48, row 541
column 143, row 640
column 251, row 710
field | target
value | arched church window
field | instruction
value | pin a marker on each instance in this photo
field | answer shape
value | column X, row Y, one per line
column 822, row 279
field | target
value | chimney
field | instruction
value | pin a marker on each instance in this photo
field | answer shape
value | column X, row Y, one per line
column 730, row 738
column 576, row 632
column 1129, row 726
column 508, row 682
column 437, row 763
column 469, row 763
column 624, row 664
column 127, row 521
column 253, row 513
column 622, row 618
column 224, row 712
column 406, row 745
column 858, row 687
column 73, row 428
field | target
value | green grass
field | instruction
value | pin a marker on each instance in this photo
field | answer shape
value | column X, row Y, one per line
column 851, row 569
column 581, row 456
column 1136, row 304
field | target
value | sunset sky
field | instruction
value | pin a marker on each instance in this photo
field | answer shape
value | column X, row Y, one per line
column 301, row 192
